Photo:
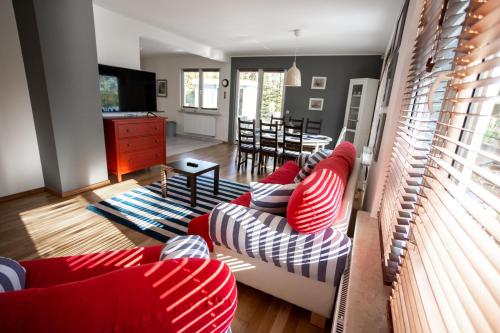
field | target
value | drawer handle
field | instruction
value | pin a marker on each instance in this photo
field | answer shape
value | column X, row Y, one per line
column 127, row 130
column 156, row 141
column 128, row 144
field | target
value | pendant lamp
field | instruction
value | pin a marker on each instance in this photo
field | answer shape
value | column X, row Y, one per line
column 293, row 78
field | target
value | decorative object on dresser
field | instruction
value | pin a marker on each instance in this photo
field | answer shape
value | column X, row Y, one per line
column 359, row 111
column 134, row 143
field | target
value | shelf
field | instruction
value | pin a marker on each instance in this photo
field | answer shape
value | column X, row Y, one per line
column 350, row 130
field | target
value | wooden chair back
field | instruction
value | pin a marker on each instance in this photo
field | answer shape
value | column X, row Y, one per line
column 313, row 127
column 246, row 134
column 280, row 121
column 292, row 138
column 268, row 136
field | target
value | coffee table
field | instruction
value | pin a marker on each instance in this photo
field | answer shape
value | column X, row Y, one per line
column 191, row 172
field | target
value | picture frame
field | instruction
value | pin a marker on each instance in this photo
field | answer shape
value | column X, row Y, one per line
column 318, row 82
column 316, row 104
column 161, row 88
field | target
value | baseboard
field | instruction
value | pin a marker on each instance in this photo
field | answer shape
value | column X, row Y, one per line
column 22, row 194
column 78, row 190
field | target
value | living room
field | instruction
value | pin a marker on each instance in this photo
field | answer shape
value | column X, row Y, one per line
column 305, row 166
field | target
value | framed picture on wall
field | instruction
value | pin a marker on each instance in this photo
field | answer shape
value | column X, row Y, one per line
column 161, row 88
column 316, row 104
column 318, row 82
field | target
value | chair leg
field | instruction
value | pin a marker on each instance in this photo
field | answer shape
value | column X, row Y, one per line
column 275, row 158
column 246, row 161
column 239, row 161
column 253, row 162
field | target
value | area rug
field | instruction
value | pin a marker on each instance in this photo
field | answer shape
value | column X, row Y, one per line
column 143, row 209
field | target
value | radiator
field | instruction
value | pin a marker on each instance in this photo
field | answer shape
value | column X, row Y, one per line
column 199, row 124
column 340, row 308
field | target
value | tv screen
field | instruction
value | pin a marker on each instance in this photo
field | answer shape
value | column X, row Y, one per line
column 127, row 90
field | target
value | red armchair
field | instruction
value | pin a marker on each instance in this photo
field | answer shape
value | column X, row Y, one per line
column 121, row 291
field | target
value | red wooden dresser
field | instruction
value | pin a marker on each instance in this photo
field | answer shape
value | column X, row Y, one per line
column 134, row 143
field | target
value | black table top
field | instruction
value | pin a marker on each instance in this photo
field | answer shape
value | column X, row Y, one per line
column 182, row 167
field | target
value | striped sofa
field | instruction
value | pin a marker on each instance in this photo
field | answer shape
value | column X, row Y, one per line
column 266, row 253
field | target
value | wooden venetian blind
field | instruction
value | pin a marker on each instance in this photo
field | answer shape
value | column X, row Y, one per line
column 441, row 24
column 449, row 280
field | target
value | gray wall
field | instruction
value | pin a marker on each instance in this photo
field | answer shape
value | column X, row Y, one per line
column 59, row 49
column 338, row 70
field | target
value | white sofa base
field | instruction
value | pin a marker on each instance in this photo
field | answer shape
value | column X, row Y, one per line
column 312, row 295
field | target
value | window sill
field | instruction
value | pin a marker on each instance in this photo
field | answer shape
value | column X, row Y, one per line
column 206, row 112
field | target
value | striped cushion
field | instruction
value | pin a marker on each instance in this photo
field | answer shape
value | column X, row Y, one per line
column 191, row 246
column 12, row 275
column 308, row 166
column 270, row 198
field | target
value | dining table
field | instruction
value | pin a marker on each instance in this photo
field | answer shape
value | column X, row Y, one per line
column 316, row 141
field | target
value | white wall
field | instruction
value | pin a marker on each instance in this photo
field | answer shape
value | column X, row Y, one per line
column 379, row 169
column 20, row 167
column 118, row 40
column 169, row 67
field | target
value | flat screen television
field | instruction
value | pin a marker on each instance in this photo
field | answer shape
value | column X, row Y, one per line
column 127, row 90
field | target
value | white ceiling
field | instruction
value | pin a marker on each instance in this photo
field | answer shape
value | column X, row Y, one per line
column 264, row 27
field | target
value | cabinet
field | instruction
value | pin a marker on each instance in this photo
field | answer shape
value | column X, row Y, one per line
column 359, row 111
column 134, row 143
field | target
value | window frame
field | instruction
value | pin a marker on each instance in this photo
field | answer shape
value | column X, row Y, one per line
column 200, row 72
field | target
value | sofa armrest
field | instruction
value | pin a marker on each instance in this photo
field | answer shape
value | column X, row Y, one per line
column 41, row 273
column 180, row 295
column 269, row 237
column 342, row 221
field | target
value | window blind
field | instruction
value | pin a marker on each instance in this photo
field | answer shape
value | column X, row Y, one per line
column 448, row 280
column 441, row 24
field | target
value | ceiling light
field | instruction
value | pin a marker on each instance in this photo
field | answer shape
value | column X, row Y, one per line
column 293, row 78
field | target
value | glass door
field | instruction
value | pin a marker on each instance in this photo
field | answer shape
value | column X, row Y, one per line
column 260, row 94
column 272, row 94
column 248, row 83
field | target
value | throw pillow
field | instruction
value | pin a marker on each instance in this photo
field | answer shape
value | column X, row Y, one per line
column 316, row 202
column 190, row 246
column 271, row 198
column 12, row 275
column 308, row 166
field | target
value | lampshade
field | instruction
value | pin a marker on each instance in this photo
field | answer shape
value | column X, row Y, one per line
column 293, row 77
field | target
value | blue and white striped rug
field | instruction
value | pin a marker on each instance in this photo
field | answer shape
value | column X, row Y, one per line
column 143, row 209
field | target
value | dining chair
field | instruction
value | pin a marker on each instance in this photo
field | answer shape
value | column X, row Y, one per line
column 247, row 144
column 292, row 139
column 296, row 122
column 280, row 121
column 268, row 145
column 313, row 127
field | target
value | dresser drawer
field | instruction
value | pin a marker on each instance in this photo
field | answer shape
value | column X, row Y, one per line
column 141, row 159
column 139, row 129
column 140, row 143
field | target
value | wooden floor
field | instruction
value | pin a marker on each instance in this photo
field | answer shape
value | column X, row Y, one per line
column 42, row 225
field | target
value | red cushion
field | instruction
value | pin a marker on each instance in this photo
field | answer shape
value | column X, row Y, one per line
column 284, row 175
column 315, row 203
column 181, row 295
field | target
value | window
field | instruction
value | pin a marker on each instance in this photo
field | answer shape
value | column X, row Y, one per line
column 210, row 89
column 200, row 84
column 191, row 89
column 445, row 278
column 260, row 94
